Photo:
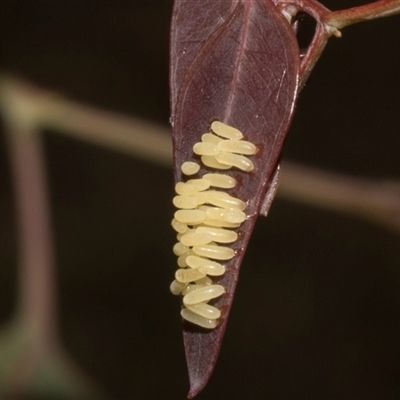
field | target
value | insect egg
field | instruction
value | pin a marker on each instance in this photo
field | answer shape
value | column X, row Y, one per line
column 179, row 226
column 177, row 287
column 219, row 223
column 237, row 146
column 199, row 184
column 219, row 235
column 235, row 160
column 182, row 260
column 179, row 249
column 196, row 238
column 226, row 131
column 180, row 235
column 214, row 251
column 189, row 288
column 205, row 310
column 197, row 319
column 204, row 281
column 204, row 264
column 211, row 138
column 185, row 202
column 205, row 149
column 220, row 180
column 188, row 275
column 224, row 200
column 233, row 215
column 205, row 293
column 190, row 216
column 190, row 168
column 212, row 162
column 184, row 189
column 201, row 198
column 206, row 220
column 213, row 212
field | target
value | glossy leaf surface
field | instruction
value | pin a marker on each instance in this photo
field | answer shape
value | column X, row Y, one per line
column 238, row 62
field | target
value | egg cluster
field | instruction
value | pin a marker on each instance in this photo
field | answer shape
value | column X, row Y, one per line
column 206, row 221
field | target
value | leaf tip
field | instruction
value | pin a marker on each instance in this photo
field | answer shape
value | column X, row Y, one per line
column 200, row 372
column 197, row 384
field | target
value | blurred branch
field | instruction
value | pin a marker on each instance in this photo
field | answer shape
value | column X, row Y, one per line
column 37, row 298
column 33, row 106
column 34, row 362
column 376, row 201
column 36, row 308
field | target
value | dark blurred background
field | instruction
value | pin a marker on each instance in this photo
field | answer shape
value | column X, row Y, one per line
column 316, row 315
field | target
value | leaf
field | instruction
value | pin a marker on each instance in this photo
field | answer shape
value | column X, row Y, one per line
column 238, row 62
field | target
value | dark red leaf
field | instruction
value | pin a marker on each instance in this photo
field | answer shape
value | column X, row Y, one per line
column 238, row 62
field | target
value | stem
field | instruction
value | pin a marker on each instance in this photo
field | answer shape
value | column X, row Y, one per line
column 329, row 23
column 378, row 9
column 290, row 8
